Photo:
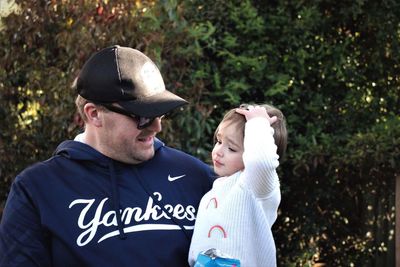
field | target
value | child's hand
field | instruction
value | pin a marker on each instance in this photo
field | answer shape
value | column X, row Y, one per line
column 256, row 111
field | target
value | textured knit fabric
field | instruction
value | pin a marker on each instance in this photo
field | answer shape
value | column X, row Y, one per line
column 236, row 216
column 80, row 208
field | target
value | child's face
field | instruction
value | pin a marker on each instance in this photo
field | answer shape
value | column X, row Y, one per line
column 228, row 150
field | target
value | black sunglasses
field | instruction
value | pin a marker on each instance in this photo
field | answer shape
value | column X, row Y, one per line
column 142, row 122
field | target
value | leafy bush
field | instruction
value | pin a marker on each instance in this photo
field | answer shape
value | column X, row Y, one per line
column 331, row 67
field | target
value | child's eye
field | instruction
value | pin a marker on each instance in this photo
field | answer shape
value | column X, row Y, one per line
column 233, row 150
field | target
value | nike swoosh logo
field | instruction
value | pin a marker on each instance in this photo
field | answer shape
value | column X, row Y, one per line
column 173, row 178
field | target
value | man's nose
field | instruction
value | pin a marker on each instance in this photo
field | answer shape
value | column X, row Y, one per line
column 155, row 126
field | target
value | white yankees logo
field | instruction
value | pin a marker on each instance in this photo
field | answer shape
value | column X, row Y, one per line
column 152, row 212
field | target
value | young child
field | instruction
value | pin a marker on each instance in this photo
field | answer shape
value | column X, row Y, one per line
column 236, row 215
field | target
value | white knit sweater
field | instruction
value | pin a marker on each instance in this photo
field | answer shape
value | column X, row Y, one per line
column 237, row 214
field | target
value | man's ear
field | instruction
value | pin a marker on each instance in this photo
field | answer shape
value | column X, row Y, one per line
column 93, row 115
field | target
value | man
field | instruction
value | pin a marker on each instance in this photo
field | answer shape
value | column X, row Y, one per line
column 115, row 196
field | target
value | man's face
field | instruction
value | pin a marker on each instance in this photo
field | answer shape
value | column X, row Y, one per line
column 123, row 141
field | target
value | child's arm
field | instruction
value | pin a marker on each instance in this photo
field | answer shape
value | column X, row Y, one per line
column 260, row 152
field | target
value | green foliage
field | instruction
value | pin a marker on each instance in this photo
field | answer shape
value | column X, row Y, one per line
column 331, row 67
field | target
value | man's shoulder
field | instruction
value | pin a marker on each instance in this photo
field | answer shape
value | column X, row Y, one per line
column 173, row 159
column 181, row 156
column 41, row 169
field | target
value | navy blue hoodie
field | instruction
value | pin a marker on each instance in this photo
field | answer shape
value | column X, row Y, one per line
column 81, row 208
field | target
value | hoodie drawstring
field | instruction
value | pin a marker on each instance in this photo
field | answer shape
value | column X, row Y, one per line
column 115, row 200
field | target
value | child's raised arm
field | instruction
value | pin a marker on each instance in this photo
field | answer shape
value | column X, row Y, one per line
column 260, row 156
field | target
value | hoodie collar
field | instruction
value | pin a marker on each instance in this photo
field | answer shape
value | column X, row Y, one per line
column 80, row 151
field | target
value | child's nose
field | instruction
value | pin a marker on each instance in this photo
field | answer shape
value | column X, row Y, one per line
column 219, row 152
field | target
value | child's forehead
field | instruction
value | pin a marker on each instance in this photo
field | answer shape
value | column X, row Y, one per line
column 231, row 123
column 228, row 124
column 231, row 130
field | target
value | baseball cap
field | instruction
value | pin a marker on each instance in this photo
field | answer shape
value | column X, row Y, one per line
column 126, row 76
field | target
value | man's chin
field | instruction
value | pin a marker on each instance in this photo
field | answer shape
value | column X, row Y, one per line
column 145, row 156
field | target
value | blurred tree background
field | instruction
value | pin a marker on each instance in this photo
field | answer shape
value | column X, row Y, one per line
column 332, row 67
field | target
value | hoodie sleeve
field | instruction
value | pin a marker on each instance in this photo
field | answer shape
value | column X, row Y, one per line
column 22, row 239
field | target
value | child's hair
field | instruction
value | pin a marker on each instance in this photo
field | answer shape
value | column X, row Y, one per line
column 279, row 126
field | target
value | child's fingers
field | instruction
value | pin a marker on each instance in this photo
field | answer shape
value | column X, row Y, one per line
column 256, row 111
column 252, row 112
column 242, row 111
